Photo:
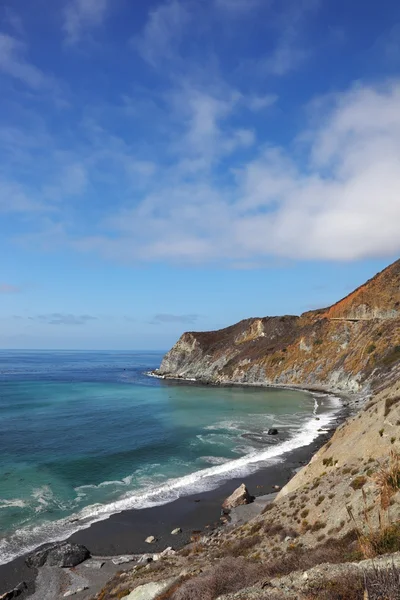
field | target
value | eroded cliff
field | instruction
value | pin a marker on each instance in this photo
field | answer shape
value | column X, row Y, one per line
column 348, row 346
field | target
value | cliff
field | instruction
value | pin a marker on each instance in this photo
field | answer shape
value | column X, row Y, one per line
column 350, row 346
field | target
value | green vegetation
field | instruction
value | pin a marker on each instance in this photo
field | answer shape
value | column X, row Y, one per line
column 371, row 348
column 391, row 357
column 358, row 482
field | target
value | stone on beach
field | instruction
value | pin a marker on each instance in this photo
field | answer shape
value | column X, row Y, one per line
column 240, row 496
column 150, row 540
column 176, row 531
column 120, row 560
column 146, row 558
column 58, row 555
column 273, row 431
column 19, row 589
column 94, row 564
column 77, row 590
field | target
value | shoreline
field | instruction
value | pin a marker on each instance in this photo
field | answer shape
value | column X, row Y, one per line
column 342, row 394
column 124, row 532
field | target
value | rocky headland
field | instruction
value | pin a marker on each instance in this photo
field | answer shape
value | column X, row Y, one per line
column 350, row 347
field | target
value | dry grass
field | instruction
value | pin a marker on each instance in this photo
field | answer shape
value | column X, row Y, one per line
column 386, row 538
column 389, row 403
column 388, row 480
column 383, row 584
column 299, row 559
column 239, row 547
column 230, row 575
column 347, row 587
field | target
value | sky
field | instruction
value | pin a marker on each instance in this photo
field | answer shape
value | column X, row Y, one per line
column 183, row 164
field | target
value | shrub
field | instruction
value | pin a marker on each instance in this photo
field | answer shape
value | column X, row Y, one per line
column 267, row 508
column 332, row 551
column 358, row 482
column 371, row 348
column 230, row 575
column 389, row 403
column 317, row 526
column 318, row 342
column 388, row 479
column 347, row 587
column 391, row 357
column 239, row 547
column 383, row 583
column 328, row 462
column 319, row 500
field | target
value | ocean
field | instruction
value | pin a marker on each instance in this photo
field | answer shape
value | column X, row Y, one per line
column 84, row 435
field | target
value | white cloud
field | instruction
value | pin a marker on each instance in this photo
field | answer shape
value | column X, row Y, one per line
column 13, row 63
column 83, row 15
column 286, row 56
column 338, row 198
column 290, row 49
column 207, row 136
column 260, row 102
column 163, row 31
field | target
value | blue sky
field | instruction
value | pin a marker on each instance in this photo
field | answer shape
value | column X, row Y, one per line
column 185, row 164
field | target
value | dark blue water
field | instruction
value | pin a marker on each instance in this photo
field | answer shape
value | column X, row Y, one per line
column 86, row 434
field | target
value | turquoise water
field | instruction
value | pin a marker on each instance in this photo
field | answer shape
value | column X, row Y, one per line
column 84, row 435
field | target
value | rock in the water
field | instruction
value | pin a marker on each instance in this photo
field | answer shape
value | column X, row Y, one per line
column 150, row 540
column 19, row 589
column 240, row 496
column 176, row 531
column 149, row 591
column 273, row 431
column 58, row 555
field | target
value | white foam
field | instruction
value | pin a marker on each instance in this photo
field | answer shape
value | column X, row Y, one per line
column 214, row 460
column 15, row 502
column 25, row 540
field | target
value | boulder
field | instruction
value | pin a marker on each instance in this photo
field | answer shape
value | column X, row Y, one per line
column 121, row 560
column 150, row 540
column 240, row 496
column 19, row 589
column 76, row 590
column 94, row 564
column 176, row 531
column 168, row 552
column 145, row 558
column 273, row 431
column 58, row 555
column 150, row 591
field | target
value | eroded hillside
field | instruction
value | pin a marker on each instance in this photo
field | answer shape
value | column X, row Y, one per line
column 348, row 346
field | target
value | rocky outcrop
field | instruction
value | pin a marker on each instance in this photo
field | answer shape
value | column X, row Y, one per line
column 350, row 346
column 240, row 496
column 64, row 554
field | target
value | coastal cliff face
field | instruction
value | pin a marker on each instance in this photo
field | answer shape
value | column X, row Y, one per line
column 350, row 346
